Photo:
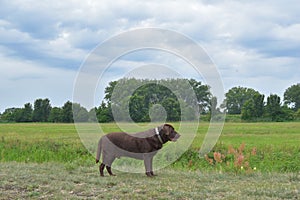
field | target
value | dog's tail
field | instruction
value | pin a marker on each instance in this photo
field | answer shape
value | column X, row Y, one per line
column 99, row 150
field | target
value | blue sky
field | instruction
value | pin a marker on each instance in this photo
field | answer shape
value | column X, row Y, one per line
column 43, row 43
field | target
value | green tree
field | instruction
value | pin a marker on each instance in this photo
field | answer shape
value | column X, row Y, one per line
column 67, row 113
column 23, row 114
column 236, row 98
column 109, row 90
column 41, row 110
column 297, row 115
column 80, row 114
column 103, row 113
column 157, row 113
column 8, row 115
column 137, row 96
column 253, row 108
column 287, row 114
column 27, row 112
column 203, row 95
column 292, row 96
column 55, row 115
column 93, row 115
column 172, row 108
column 273, row 107
column 18, row 115
column 139, row 108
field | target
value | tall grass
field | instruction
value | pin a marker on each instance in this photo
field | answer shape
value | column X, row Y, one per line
column 277, row 145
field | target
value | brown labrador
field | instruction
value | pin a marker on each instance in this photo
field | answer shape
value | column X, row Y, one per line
column 142, row 145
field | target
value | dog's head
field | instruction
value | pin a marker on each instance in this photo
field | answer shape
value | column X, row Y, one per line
column 170, row 132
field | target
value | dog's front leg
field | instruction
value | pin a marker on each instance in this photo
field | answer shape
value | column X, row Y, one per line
column 148, row 164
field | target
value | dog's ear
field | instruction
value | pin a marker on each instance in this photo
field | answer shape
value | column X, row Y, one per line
column 168, row 128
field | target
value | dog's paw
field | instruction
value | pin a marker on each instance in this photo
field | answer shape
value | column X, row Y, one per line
column 150, row 174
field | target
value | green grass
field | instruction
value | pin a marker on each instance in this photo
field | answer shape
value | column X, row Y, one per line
column 40, row 143
column 277, row 144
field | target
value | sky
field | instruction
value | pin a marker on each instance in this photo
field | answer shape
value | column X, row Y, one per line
column 44, row 44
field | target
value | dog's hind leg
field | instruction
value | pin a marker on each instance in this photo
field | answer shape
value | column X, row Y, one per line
column 108, row 165
column 101, row 168
column 109, row 171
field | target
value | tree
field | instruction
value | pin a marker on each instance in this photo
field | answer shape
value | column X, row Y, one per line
column 93, row 115
column 137, row 96
column 273, row 108
column 41, row 110
column 297, row 114
column 253, row 108
column 158, row 113
column 23, row 114
column 248, row 110
column 292, row 96
column 139, row 108
column 18, row 115
column 236, row 98
column 103, row 113
column 109, row 90
column 27, row 112
column 67, row 114
column 8, row 115
column 203, row 95
column 55, row 115
column 80, row 114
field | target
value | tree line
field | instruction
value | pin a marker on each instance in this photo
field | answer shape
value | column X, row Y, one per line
column 251, row 105
column 42, row 111
column 152, row 100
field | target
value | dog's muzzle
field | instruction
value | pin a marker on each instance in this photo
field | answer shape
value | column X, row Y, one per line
column 174, row 139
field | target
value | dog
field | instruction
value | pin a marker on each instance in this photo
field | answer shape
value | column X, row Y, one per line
column 142, row 145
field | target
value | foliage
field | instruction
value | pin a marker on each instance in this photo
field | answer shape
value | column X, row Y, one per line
column 55, row 115
column 18, row 114
column 297, row 114
column 41, row 112
column 139, row 96
column 67, row 114
column 80, row 114
column 253, row 108
column 273, row 107
column 292, row 96
column 236, row 97
column 104, row 113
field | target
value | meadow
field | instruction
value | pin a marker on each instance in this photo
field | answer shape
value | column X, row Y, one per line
column 43, row 160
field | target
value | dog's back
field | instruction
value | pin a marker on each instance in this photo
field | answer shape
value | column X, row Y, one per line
column 134, row 143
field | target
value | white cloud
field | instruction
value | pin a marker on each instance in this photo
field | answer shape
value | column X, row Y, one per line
column 254, row 43
column 24, row 81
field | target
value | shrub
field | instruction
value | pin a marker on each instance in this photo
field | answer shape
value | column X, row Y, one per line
column 234, row 160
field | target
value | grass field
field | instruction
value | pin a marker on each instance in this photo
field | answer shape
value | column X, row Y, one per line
column 54, row 181
column 43, row 161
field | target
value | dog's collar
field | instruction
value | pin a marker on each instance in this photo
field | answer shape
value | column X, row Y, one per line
column 157, row 133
